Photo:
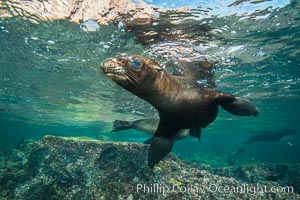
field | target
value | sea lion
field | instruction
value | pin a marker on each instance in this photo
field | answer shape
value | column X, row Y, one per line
column 182, row 103
column 148, row 126
column 270, row 136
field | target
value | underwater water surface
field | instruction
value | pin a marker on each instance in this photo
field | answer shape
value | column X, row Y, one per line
column 51, row 83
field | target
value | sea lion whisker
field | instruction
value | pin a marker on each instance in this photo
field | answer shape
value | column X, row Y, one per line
column 129, row 78
column 132, row 78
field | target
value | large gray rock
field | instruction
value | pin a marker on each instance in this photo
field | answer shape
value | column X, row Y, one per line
column 80, row 168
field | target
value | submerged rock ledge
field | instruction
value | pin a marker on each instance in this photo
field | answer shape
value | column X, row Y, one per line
column 80, row 168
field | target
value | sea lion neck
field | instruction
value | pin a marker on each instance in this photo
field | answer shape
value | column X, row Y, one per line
column 162, row 90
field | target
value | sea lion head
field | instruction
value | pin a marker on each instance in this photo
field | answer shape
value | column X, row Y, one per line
column 135, row 73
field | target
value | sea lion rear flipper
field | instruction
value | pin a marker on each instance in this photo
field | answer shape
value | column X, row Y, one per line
column 120, row 125
column 238, row 106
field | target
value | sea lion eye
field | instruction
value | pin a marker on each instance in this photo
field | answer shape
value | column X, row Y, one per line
column 136, row 65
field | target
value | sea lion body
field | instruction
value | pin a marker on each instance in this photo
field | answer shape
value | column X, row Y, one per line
column 182, row 103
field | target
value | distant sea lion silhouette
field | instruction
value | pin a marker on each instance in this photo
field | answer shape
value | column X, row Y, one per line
column 270, row 136
column 182, row 102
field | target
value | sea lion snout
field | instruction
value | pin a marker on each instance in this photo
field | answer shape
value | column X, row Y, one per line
column 117, row 70
column 107, row 65
column 112, row 66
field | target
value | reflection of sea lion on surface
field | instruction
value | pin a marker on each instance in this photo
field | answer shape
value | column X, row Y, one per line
column 182, row 102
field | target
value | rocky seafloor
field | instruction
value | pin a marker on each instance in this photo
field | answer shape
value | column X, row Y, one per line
column 81, row 168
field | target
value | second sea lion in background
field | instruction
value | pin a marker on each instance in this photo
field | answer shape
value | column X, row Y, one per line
column 270, row 136
column 147, row 126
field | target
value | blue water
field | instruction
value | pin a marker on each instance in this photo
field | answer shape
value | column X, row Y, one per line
column 51, row 82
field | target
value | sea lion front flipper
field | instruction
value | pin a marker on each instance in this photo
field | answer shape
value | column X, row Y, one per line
column 159, row 148
column 238, row 106
column 196, row 132
column 161, row 144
